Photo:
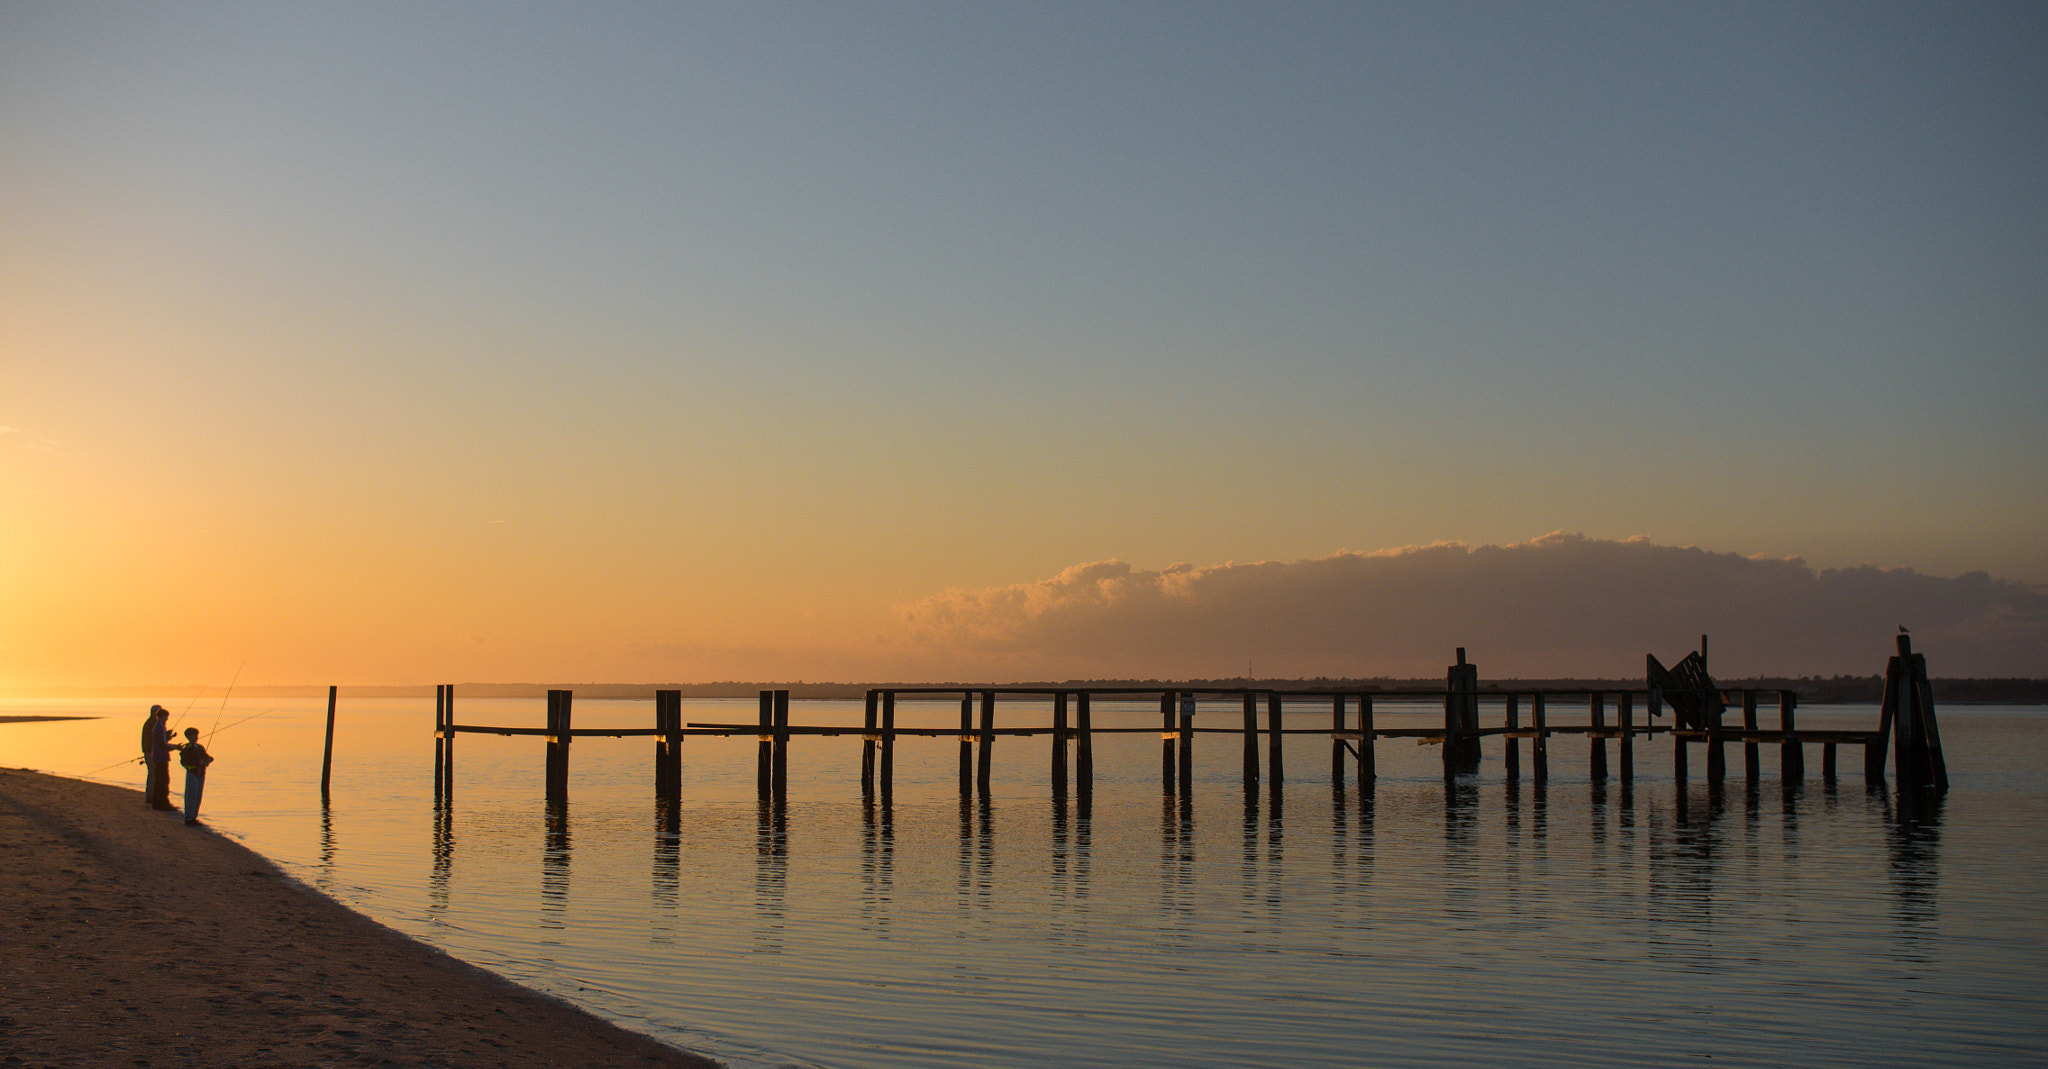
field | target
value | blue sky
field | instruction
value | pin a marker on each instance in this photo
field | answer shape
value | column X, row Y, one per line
column 817, row 310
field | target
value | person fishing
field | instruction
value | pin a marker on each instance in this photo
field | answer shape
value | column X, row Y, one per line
column 156, row 753
column 195, row 759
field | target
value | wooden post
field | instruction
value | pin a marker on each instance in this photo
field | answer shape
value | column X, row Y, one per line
column 1368, row 770
column 1337, row 741
column 1251, row 740
column 1512, row 719
column 1827, row 763
column 1461, row 718
column 888, row 743
column 1084, row 750
column 668, row 746
column 1187, row 745
column 1596, row 713
column 987, row 741
column 967, row 744
column 1791, row 755
column 1750, row 769
column 781, row 784
column 327, row 755
column 448, row 765
column 558, row 746
column 1628, row 742
column 1274, row 738
column 1874, row 750
column 1168, row 718
column 1539, row 748
column 1059, row 745
column 764, row 755
column 1678, row 744
column 868, row 739
column 441, row 736
column 1717, row 757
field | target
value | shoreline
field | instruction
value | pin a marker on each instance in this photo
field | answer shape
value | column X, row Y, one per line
column 133, row 939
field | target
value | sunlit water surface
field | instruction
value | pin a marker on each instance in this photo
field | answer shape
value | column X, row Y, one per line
column 1483, row 924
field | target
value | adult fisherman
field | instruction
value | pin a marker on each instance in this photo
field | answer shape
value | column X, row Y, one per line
column 156, row 753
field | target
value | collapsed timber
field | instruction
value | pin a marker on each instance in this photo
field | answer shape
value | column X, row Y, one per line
column 1907, row 727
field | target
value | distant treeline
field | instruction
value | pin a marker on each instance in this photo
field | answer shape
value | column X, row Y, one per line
column 1812, row 690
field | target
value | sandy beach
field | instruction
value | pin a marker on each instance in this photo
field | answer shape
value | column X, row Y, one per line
column 131, row 939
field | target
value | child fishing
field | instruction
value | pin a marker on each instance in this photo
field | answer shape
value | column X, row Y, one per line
column 195, row 759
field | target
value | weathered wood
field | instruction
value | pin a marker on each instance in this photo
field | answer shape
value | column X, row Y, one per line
column 1827, row 762
column 1337, row 740
column 442, row 737
column 1539, row 747
column 326, row 754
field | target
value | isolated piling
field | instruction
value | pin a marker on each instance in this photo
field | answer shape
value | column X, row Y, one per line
column 327, row 754
column 1539, row 747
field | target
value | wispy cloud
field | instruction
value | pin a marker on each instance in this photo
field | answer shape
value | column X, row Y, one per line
column 1562, row 604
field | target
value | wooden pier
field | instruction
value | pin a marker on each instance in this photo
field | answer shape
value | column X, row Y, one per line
column 1065, row 717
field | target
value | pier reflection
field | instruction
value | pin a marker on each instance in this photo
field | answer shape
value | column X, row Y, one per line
column 554, row 866
column 444, row 858
column 665, row 882
column 1913, row 847
column 771, row 875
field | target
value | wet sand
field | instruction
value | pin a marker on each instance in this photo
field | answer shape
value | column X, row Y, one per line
column 130, row 939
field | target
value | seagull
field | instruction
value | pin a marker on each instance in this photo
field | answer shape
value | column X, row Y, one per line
column 1903, row 631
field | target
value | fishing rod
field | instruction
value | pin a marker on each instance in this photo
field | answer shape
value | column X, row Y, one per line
column 224, row 698
column 217, row 730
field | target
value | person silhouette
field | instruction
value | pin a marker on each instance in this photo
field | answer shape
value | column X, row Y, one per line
column 156, row 753
column 195, row 759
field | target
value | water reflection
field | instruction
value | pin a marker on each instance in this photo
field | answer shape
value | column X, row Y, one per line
column 554, row 866
column 771, row 874
column 325, row 881
column 444, row 858
column 665, row 883
column 1913, row 843
column 877, row 862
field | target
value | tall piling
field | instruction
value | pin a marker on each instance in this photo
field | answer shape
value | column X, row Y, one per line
column 559, row 728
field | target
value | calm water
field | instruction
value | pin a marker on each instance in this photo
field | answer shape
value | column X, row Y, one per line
column 1481, row 924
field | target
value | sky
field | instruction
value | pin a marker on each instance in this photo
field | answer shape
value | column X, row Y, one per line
column 405, row 343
